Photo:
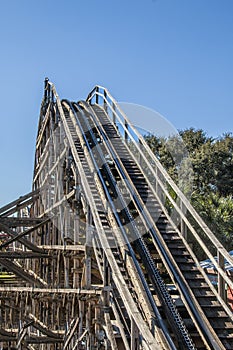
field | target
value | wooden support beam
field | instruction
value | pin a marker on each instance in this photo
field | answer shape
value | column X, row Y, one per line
column 42, row 327
column 18, row 237
column 7, row 338
column 109, row 331
column 21, row 336
column 79, row 339
column 88, row 250
column 25, row 242
column 50, row 291
column 75, row 247
column 22, row 255
column 30, row 277
column 120, row 326
column 42, row 340
column 20, row 222
column 18, row 202
column 134, row 336
column 221, row 282
column 70, row 332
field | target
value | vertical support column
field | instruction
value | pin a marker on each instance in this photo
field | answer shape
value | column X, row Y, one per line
column 81, row 313
column 66, row 270
column 183, row 227
column 46, row 81
column 113, row 113
column 98, row 321
column 134, row 336
column 106, row 283
column 140, row 156
column 97, row 96
column 105, row 101
column 88, row 249
column 125, row 133
column 221, row 282
column 89, row 345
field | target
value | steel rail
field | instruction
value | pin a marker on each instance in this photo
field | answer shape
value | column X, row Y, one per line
column 187, row 206
column 157, row 278
column 190, row 300
column 118, row 279
column 202, row 324
column 226, row 308
column 114, row 211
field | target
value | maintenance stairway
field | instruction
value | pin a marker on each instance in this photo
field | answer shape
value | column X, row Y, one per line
column 98, row 255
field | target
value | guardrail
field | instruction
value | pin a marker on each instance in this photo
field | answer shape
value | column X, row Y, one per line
column 163, row 186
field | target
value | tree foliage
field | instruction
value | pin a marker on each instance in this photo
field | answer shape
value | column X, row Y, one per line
column 212, row 163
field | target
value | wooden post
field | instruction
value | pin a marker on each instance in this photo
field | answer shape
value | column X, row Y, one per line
column 97, row 96
column 105, row 102
column 221, row 283
column 88, row 249
column 183, row 226
column 125, row 133
column 134, row 336
column 106, row 282
column 113, row 113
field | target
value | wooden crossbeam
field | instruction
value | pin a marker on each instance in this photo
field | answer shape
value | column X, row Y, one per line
column 42, row 327
column 25, row 242
column 50, row 291
column 70, row 333
column 20, row 222
column 5, row 333
column 7, row 338
column 18, row 237
column 75, row 247
column 43, row 340
column 20, row 202
column 22, row 255
column 22, row 273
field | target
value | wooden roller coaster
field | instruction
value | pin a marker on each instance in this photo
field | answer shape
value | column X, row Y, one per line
column 92, row 258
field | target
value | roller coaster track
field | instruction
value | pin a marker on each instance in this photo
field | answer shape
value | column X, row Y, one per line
column 93, row 258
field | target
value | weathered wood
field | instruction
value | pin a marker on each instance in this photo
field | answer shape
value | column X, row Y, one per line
column 20, row 222
column 67, row 269
column 42, row 340
column 42, row 327
column 30, row 277
column 55, row 291
column 18, row 202
column 18, row 237
column 25, row 242
column 70, row 333
column 23, row 255
column 75, row 247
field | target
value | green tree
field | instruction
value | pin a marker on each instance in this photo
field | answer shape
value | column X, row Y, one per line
column 212, row 163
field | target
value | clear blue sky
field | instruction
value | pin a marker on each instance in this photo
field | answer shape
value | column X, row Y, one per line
column 174, row 56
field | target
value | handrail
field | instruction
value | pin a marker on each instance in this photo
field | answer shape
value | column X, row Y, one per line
column 147, row 220
column 162, row 181
column 117, row 276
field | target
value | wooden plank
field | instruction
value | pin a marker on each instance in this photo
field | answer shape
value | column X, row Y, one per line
column 32, row 278
column 92, row 292
column 75, row 247
column 20, row 222
column 43, row 340
column 18, row 237
column 18, row 202
column 22, row 255
column 42, row 327
column 70, row 333
column 25, row 242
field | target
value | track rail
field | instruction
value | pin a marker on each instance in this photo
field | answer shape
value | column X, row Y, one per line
column 100, row 263
column 196, row 310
